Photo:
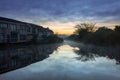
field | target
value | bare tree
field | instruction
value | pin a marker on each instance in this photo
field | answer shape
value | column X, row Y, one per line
column 88, row 27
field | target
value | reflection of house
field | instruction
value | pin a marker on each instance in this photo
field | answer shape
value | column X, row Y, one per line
column 13, row 31
column 21, row 56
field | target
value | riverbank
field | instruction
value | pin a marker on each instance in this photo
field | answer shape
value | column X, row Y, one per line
column 47, row 40
column 101, row 37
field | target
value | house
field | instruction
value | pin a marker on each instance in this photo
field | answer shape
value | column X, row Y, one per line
column 14, row 31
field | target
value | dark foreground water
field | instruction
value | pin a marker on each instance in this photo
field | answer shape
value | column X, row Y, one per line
column 66, row 61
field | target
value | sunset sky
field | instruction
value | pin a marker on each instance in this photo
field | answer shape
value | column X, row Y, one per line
column 62, row 15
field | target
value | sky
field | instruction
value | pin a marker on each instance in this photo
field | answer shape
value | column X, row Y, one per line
column 62, row 15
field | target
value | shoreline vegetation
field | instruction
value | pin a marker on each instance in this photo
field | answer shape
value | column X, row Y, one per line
column 47, row 40
column 103, row 36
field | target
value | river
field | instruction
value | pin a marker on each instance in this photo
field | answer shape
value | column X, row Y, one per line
column 65, row 61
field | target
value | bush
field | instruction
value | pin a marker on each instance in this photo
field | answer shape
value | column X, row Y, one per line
column 103, row 36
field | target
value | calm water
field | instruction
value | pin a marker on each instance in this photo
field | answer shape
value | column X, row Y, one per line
column 66, row 61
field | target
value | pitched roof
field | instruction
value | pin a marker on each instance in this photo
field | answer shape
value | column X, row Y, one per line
column 10, row 20
column 17, row 21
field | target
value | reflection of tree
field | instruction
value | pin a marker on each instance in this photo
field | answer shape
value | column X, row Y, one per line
column 84, row 56
column 13, row 58
column 90, row 52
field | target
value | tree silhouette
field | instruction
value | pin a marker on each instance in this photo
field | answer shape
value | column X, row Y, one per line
column 85, row 27
column 117, row 28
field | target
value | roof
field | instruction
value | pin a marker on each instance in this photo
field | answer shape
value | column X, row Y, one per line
column 17, row 21
column 11, row 20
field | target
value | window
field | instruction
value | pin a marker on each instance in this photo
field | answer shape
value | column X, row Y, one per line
column 0, row 25
column 22, row 37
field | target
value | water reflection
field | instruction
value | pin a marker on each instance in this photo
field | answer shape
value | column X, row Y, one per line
column 70, row 61
column 91, row 52
column 20, row 56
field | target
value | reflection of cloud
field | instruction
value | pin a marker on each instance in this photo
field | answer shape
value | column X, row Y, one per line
column 64, row 66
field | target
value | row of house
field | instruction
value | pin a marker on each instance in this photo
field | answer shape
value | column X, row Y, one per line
column 13, row 31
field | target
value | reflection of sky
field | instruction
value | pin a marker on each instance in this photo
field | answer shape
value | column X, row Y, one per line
column 59, row 14
column 63, row 65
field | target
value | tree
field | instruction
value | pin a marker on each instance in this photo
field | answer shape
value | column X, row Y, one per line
column 117, row 28
column 103, row 30
column 85, row 27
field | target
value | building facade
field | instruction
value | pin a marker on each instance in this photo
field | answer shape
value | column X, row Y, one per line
column 13, row 31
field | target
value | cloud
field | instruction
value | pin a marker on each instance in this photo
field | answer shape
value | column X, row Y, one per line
column 61, row 10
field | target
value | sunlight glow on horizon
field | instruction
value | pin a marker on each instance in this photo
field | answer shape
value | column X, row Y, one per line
column 68, row 27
